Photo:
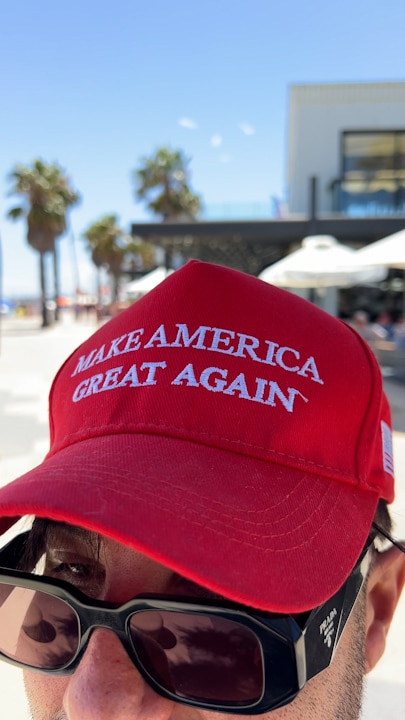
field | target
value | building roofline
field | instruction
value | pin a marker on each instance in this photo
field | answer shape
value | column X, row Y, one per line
column 345, row 229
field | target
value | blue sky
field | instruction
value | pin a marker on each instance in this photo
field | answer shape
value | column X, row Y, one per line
column 96, row 85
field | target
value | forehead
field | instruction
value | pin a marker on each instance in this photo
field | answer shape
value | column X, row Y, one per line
column 122, row 563
column 64, row 537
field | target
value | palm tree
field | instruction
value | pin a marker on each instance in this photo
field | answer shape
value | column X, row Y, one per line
column 46, row 196
column 109, row 245
column 162, row 180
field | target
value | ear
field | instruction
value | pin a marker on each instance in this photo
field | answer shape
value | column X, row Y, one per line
column 384, row 585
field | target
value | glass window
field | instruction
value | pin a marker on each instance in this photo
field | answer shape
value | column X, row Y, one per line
column 401, row 151
column 373, row 173
column 367, row 153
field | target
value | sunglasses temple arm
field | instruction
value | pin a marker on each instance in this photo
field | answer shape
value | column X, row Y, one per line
column 388, row 537
column 326, row 624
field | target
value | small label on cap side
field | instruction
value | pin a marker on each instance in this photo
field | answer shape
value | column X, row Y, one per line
column 388, row 459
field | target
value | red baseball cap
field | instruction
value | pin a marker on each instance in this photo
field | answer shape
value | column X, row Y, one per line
column 225, row 428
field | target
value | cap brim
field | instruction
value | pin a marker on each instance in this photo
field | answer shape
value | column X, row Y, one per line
column 267, row 536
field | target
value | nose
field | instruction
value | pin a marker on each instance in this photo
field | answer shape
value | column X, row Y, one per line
column 107, row 686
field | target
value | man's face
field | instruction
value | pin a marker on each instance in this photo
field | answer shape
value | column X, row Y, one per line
column 107, row 685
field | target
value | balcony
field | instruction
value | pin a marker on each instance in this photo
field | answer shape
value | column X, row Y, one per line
column 376, row 196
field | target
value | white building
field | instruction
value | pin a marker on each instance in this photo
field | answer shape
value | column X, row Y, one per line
column 351, row 136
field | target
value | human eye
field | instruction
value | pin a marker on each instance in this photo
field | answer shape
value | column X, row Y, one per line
column 84, row 573
column 77, row 571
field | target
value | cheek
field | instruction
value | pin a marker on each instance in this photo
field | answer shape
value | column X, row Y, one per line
column 44, row 694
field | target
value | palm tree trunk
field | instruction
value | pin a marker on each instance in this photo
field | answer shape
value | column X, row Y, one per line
column 115, row 288
column 45, row 318
column 99, row 298
column 56, row 279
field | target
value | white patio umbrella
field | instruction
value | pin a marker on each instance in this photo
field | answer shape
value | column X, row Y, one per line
column 147, row 282
column 388, row 252
column 321, row 262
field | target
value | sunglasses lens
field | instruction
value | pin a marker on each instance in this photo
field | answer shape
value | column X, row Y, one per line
column 204, row 658
column 37, row 629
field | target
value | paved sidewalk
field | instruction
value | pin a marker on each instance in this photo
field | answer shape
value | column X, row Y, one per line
column 29, row 358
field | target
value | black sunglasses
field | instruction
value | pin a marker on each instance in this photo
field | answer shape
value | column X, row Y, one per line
column 212, row 655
